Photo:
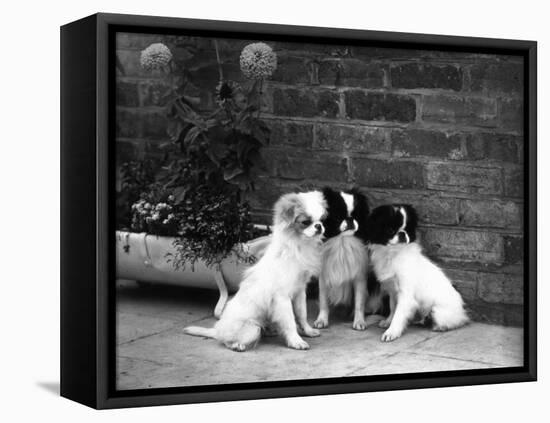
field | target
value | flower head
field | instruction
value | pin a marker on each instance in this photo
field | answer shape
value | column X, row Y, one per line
column 258, row 61
column 155, row 56
column 224, row 91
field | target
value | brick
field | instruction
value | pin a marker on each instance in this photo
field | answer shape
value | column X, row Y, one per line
column 351, row 138
column 510, row 113
column 491, row 146
column 426, row 75
column 438, row 210
column 500, row 314
column 491, row 213
column 127, row 124
column 456, row 177
column 352, row 73
column 265, row 194
column 513, row 249
column 380, row 106
column 148, row 124
column 130, row 62
column 152, row 93
column 513, row 182
column 464, row 281
column 206, row 77
column 126, row 40
column 154, row 126
column 291, row 133
column 460, row 110
column 397, row 54
column 127, row 94
column 501, row 288
column 293, row 166
column 463, row 246
column 128, row 150
column 417, row 142
column 292, row 70
column 431, row 208
column 305, row 48
column 496, row 78
column 305, row 103
column 388, row 174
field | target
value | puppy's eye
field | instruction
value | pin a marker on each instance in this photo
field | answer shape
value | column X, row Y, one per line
column 306, row 222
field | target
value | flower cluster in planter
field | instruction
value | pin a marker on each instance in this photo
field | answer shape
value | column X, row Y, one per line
column 159, row 218
column 197, row 192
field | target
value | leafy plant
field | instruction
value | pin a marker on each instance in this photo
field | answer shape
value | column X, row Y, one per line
column 210, row 163
column 213, row 225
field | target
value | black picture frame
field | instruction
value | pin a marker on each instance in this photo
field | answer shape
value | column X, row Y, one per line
column 87, row 169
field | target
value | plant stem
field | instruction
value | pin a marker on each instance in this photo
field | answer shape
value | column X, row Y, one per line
column 260, row 94
column 220, row 70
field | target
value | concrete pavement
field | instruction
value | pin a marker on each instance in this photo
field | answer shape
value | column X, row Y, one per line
column 153, row 351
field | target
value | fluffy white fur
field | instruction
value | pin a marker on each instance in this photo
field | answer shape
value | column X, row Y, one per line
column 416, row 286
column 345, row 261
column 273, row 290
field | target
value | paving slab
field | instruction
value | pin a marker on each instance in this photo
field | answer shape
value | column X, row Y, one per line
column 153, row 351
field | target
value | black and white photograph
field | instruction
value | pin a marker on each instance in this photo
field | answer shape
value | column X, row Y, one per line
column 278, row 212
column 301, row 210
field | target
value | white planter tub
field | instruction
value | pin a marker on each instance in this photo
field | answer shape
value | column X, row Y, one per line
column 143, row 257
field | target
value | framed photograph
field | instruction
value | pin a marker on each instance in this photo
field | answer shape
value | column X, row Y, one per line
column 257, row 211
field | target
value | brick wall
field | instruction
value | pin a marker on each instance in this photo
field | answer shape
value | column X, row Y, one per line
column 442, row 131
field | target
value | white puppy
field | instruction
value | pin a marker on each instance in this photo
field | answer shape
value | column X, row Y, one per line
column 416, row 286
column 273, row 291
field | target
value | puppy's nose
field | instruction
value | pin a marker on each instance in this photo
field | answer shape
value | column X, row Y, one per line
column 318, row 227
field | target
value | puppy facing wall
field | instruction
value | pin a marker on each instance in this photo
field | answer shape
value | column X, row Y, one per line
column 273, row 289
column 416, row 285
column 345, row 256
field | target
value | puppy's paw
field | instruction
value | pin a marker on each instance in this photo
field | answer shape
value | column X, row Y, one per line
column 384, row 323
column 359, row 324
column 321, row 322
column 390, row 335
column 310, row 332
column 298, row 344
column 237, row 346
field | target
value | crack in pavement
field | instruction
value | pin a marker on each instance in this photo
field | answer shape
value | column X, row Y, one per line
column 157, row 363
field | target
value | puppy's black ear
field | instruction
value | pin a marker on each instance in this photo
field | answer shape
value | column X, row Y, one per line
column 287, row 208
column 361, row 204
column 412, row 221
column 360, row 213
column 330, row 195
column 376, row 224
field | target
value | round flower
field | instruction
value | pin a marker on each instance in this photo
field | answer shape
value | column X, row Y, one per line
column 155, row 56
column 258, row 61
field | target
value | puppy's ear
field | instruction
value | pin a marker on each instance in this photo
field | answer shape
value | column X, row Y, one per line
column 331, row 196
column 287, row 208
column 361, row 204
column 412, row 221
column 360, row 212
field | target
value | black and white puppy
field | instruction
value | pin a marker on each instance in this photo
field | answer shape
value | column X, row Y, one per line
column 345, row 256
column 416, row 286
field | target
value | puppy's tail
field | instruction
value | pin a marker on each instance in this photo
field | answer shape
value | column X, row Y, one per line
column 200, row 331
